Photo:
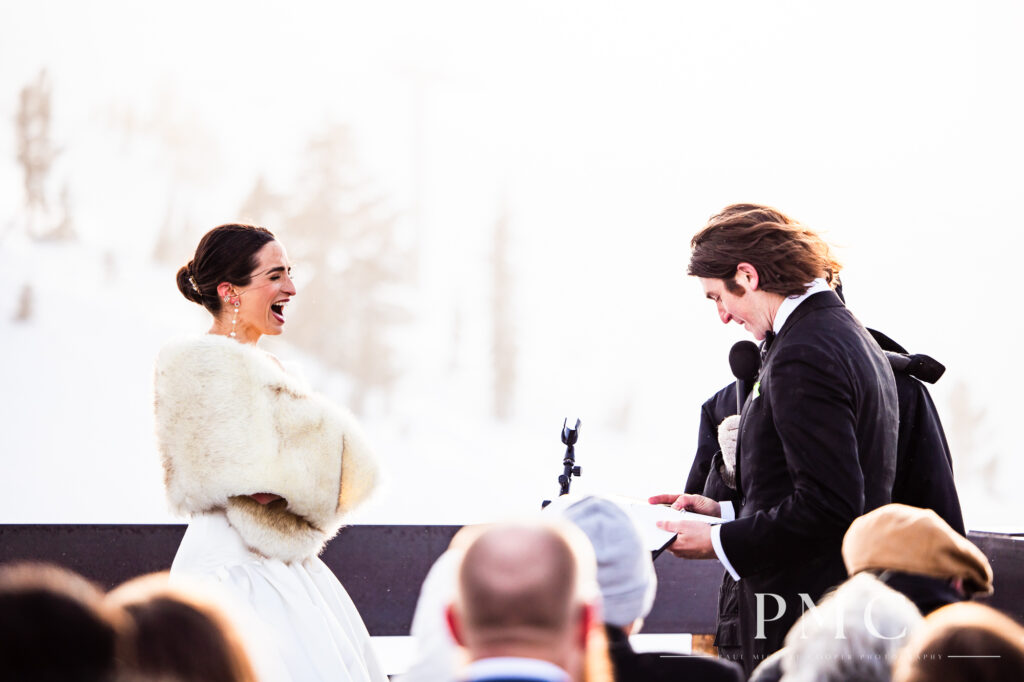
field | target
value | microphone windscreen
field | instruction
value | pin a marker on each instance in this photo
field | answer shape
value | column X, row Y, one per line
column 744, row 360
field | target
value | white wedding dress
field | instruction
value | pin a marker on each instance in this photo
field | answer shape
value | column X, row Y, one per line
column 299, row 622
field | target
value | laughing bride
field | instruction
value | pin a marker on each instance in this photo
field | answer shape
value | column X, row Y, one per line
column 265, row 468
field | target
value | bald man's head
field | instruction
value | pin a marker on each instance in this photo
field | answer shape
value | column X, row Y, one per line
column 520, row 583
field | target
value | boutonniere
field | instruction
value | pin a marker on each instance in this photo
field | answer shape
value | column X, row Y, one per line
column 757, row 389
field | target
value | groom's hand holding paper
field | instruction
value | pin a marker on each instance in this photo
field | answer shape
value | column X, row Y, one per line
column 692, row 538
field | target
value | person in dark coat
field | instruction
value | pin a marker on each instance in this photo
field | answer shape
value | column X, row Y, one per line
column 924, row 466
column 708, row 476
column 818, row 435
column 630, row 666
column 714, row 410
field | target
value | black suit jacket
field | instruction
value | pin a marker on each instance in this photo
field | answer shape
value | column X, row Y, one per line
column 924, row 472
column 816, row 449
column 712, row 412
column 652, row 667
column 924, row 467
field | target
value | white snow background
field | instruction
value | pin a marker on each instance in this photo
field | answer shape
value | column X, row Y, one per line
column 608, row 132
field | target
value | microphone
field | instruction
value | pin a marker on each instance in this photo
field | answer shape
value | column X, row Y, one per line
column 918, row 365
column 745, row 362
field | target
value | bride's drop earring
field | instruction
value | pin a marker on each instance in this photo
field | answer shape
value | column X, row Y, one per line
column 234, row 320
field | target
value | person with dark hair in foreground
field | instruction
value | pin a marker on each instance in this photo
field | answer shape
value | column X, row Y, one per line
column 817, row 439
column 963, row 643
column 55, row 627
column 178, row 634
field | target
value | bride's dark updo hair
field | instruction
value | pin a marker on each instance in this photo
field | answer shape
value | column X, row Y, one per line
column 227, row 253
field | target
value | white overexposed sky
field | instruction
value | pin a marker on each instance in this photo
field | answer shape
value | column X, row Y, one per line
column 608, row 131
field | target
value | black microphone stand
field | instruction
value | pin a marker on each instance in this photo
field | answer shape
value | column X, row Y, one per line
column 570, row 468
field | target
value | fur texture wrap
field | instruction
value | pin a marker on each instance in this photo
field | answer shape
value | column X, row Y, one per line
column 231, row 422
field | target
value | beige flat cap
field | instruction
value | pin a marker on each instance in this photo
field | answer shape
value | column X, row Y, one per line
column 898, row 537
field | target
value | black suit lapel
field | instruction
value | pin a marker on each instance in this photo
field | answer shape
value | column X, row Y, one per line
column 822, row 299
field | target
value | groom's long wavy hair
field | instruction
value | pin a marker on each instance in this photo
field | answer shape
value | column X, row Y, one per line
column 786, row 254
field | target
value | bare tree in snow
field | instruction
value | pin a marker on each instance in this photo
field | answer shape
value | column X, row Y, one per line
column 353, row 270
column 36, row 155
column 504, row 353
column 966, row 433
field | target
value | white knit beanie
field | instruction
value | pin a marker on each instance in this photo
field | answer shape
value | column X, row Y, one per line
column 625, row 571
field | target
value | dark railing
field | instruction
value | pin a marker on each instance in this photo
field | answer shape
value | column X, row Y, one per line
column 382, row 567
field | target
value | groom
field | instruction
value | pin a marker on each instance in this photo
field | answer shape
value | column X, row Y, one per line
column 817, row 438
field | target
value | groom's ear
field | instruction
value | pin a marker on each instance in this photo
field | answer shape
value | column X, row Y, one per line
column 747, row 277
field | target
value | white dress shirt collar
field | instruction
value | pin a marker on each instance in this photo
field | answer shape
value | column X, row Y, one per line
column 790, row 304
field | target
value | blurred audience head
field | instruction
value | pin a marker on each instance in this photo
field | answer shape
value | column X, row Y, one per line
column 854, row 633
column 54, row 626
column 625, row 571
column 963, row 643
column 178, row 634
column 916, row 552
column 528, row 590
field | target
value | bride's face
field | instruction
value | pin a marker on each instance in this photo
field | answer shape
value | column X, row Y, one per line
column 262, row 302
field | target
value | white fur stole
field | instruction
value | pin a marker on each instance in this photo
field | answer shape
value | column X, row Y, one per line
column 230, row 422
